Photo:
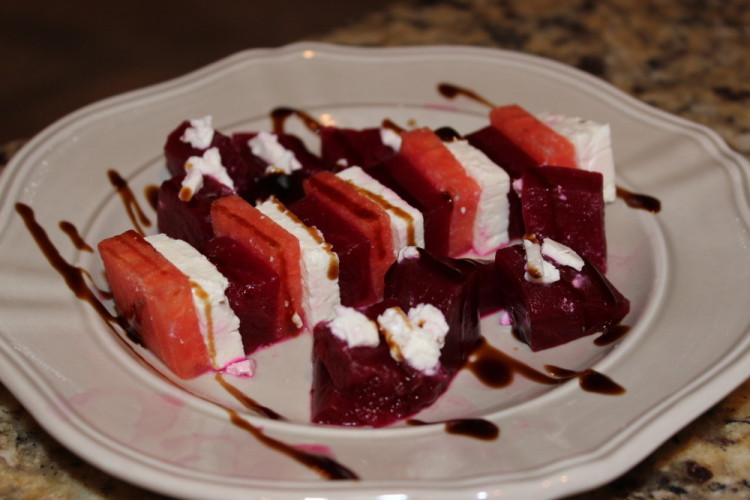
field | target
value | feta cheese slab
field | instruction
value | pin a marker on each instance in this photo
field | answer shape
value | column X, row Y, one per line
column 491, row 223
column 219, row 326
column 319, row 266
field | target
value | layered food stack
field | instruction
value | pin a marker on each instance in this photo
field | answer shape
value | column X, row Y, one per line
column 386, row 247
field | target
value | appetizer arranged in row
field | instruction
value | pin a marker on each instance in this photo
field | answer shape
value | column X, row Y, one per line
column 387, row 247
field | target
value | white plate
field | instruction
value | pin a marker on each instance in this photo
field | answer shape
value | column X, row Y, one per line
column 689, row 344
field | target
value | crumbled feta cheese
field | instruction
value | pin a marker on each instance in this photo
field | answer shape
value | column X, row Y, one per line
column 593, row 146
column 416, row 338
column 200, row 133
column 354, row 328
column 562, row 254
column 409, row 252
column 390, row 138
column 538, row 270
column 218, row 324
column 491, row 222
column 407, row 223
column 266, row 146
column 320, row 284
column 196, row 167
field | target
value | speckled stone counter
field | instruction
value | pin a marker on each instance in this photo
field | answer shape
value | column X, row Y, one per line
column 688, row 58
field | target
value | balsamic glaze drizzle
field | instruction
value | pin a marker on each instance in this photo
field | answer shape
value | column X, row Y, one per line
column 75, row 279
column 132, row 207
column 450, row 91
column 477, row 428
column 280, row 115
column 496, row 369
column 639, row 201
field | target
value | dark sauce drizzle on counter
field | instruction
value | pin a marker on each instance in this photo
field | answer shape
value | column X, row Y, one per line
column 633, row 200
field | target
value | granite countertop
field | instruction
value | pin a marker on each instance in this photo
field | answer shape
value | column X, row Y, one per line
column 688, row 58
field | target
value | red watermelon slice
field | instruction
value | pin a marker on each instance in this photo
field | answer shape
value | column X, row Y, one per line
column 156, row 299
column 425, row 151
column 539, row 141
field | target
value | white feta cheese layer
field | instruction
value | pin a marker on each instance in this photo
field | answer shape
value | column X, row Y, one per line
column 267, row 147
column 407, row 223
column 219, row 326
column 416, row 337
column 593, row 145
column 354, row 328
column 319, row 265
column 491, row 223
column 197, row 167
column 538, row 270
column 200, row 133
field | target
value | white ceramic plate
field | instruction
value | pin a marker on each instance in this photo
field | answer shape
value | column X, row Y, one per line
column 684, row 269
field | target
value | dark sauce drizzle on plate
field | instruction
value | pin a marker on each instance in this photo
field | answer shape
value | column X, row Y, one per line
column 477, row 428
column 496, row 369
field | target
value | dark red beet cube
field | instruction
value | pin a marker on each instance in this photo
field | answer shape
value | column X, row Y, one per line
column 177, row 153
column 546, row 315
column 449, row 284
column 436, row 206
column 566, row 205
column 350, row 244
column 342, row 147
column 254, row 292
column 188, row 220
column 504, row 152
column 365, row 385
column 287, row 188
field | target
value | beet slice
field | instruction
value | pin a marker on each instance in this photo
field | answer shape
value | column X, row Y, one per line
column 400, row 175
column 364, row 385
column 177, row 152
column 350, row 244
column 358, row 212
column 235, row 218
column 345, row 147
column 252, row 283
column 566, row 205
column 580, row 303
column 188, row 220
column 287, row 188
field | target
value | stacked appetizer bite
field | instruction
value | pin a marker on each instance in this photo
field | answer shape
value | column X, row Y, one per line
column 386, row 248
